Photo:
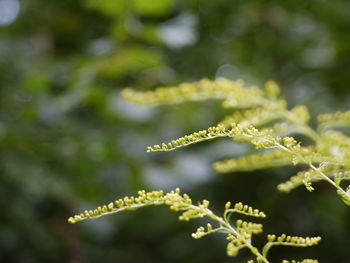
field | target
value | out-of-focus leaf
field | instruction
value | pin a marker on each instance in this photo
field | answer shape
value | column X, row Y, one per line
column 108, row 7
column 153, row 7
column 128, row 60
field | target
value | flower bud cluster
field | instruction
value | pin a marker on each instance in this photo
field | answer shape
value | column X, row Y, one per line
column 249, row 227
column 236, row 243
column 294, row 240
column 337, row 117
column 238, row 235
column 232, row 249
column 248, row 210
column 259, row 138
column 251, row 162
column 195, row 211
column 173, row 199
column 272, row 89
column 233, row 93
column 301, row 113
column 201, row 232
column 256, row 116
column 210, row 133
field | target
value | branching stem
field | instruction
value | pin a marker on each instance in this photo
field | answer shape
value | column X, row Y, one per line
column 233, row 231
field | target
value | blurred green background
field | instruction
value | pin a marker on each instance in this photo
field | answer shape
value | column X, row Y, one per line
column 68, row 142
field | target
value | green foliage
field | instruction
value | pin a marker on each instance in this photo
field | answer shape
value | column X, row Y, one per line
column 119, row 7
column 326, row 153
column 238, row 235
column 67, row 141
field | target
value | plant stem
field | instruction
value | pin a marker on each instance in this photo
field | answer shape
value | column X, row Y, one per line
column 233, row 231
column 325, row 177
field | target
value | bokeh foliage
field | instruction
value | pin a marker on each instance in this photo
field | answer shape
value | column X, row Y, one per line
column 68, row 141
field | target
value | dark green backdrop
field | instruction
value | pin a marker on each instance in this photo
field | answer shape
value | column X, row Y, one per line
column 69, row 142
